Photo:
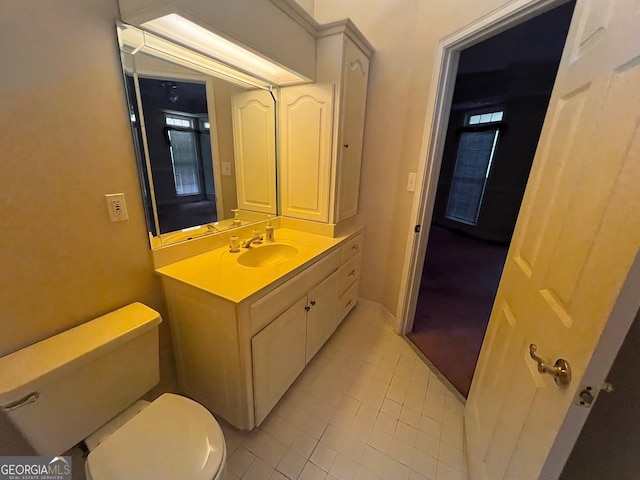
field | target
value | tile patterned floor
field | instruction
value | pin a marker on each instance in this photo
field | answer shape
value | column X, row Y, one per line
column 365, row 408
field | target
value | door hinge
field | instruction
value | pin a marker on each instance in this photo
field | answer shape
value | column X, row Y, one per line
column 416, row 229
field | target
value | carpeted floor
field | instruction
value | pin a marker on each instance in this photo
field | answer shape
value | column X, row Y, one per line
column 183, row 215
column 459, row 282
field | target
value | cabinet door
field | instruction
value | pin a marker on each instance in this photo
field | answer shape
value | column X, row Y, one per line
column 354, row 97
column 306, row 113
column 254, row 150
column 278, row 353
column 321, row 319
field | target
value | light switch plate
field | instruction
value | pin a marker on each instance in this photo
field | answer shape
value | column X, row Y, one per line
column 226, row 168
column 411, row 182
column 117, row 207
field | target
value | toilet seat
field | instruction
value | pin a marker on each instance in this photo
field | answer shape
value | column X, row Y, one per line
column 173, row 438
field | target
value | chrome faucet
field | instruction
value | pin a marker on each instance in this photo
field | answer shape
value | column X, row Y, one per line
column 257, row 238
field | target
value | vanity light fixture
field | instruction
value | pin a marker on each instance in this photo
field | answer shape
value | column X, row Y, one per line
column 134, row 40
column 194, row 36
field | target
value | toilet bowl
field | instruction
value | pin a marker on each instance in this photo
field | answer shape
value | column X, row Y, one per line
column 84, row 384
column 171, row 438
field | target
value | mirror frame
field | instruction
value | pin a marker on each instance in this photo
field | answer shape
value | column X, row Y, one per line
column 133, row 40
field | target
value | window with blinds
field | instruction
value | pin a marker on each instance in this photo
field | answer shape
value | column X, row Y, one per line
column 476, row 148
column 184, row 155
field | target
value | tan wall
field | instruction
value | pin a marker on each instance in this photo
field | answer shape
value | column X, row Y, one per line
column 224, row 124
column 65, row 143
column 405, row 34
column 308, row 5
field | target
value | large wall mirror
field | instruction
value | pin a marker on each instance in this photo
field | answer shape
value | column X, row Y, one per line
column 204, row 136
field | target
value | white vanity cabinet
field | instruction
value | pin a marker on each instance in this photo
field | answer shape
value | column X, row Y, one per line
column 322, row 309
column 281, row 350
column 349, row 277
column 278, row 357
column 321, row 130
column 238, row 359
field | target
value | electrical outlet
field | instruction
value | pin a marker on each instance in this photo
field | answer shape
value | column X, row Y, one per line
column 411, row 182
column 117, row 207
column 226, row 168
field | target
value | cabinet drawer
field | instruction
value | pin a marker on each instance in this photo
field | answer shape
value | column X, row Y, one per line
column 352, row 248
column 272, row 304
column 349, row 273
column 347, row 301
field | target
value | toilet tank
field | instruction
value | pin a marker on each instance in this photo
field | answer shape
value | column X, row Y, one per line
column 60, row 390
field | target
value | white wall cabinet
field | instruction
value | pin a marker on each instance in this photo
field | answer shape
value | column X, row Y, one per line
column 321, row 156
column 355, row 75
column 306, row 119
column 238, row 359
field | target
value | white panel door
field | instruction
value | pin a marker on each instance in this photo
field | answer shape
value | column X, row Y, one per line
column 254, row 136
column 354, row 98
column 306, row 113
column 321, row 319
column 576, row 238
column 278, row 354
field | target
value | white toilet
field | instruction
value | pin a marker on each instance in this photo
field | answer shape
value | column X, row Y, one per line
column 85, row 384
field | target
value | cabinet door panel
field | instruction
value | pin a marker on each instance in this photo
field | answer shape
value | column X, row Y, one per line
column 306, row 113
column 321, row 319
column 254, row 150
column 278, row 353
column 354, row 97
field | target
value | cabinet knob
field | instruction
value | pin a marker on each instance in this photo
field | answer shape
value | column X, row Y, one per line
column 346, row 145
column 307, row 308
column 313, row 303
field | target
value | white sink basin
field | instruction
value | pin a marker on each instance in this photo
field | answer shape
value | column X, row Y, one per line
column 267, row 255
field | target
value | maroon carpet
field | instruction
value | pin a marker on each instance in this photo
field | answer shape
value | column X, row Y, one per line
column 459, row 282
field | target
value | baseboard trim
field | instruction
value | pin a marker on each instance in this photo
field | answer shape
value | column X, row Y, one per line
column 387, row 316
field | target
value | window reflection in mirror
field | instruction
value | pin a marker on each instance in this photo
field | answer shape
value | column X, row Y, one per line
column 205, row 146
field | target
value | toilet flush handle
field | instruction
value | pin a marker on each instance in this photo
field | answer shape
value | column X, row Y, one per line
column 30, row 398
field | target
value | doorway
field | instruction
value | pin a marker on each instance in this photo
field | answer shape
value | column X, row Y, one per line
column 501, row 94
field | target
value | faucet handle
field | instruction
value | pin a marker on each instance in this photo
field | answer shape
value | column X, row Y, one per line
column 234, row 246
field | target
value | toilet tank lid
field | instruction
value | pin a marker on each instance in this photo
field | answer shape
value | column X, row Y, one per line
column 23, row 371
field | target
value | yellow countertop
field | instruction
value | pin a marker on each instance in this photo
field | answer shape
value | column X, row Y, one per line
column 218, row 271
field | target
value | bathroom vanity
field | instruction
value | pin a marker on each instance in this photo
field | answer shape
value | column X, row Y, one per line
column 286, row 142
column 242, row 334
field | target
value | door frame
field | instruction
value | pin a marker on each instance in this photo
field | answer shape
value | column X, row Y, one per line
column 436, row 123
column 433, row 139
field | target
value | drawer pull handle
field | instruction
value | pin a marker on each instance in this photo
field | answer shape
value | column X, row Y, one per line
column 355, row 247
column 353, row 272
column 31, row 398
